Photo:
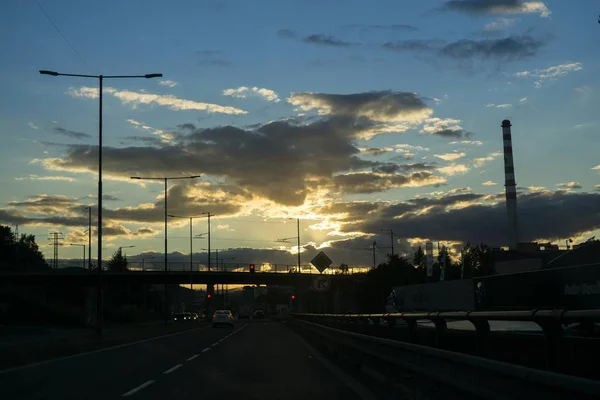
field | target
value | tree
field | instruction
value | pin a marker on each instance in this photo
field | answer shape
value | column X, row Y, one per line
column 478, row 260
column 419, row 258
column 342, row 269
column 19, row 253
column 117, row 262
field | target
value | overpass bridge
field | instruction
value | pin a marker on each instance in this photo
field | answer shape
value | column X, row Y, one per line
column 85, row 277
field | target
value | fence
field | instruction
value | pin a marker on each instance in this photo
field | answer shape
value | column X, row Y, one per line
column 392, row 367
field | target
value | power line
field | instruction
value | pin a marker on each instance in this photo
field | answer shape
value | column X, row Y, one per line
column 61, row 34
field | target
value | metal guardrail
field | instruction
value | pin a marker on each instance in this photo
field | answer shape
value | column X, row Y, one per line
column 387, row 362
column 550, row 321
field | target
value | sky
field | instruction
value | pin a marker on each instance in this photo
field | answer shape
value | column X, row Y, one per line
column 354, row 117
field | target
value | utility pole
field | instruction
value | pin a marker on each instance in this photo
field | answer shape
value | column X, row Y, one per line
column 55, row 237
column 391, row 237
column 209, row 215
column 298, row 226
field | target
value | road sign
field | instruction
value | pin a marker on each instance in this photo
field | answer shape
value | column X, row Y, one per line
column 321, row 262
column 321, row 283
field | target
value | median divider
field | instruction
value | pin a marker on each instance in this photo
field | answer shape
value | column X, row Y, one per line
column 23, row 353
column 390, row 365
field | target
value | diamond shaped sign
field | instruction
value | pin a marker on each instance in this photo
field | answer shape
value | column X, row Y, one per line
column 321, row 262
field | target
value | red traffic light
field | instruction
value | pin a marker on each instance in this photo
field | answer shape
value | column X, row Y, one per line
column 251, row 268
column 293, row 297
column 208, row 295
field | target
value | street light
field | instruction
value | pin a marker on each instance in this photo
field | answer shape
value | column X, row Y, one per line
column 100, row 82
column 191, row 240
column 76, row 244
column 166, row 180
column 124, row 247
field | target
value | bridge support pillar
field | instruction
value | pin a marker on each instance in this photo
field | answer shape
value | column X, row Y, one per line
column 412, row 329
column 440, row 331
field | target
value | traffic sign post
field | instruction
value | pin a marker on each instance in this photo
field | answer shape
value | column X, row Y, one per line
column 321, row 283
column 321, row 262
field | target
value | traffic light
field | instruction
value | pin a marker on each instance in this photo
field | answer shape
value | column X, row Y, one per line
column 208, row 296
column 251, row 268
column 293, row 297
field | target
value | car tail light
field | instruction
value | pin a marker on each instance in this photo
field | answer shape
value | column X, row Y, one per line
column 214, row 317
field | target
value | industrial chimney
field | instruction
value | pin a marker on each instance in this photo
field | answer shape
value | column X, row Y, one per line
column 510, row 186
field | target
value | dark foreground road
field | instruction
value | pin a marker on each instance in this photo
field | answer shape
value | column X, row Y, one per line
column 256, row 360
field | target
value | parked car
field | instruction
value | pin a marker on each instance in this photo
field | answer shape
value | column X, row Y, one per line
column 259, row 314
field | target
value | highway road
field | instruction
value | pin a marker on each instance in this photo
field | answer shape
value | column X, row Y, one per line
column 254, row 360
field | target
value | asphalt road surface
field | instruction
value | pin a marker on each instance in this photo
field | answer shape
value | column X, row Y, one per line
column 254, row 360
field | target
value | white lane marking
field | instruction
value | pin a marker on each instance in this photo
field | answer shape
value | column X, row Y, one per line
column 96, row 351
column 191, row 358
column 137, row 389
column 361, row 391
column 172, row 369
column 215, row 344
column 206, row 349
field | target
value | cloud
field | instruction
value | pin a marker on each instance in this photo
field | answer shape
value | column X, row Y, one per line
column 33, row 126
column 46, row 178
column 481, row 161
column 489, row 183
column 596, row 168
column 326, row 40
column 444, row 127
column 450, row 156
column 509, row 48
column 454, row 169
column 497, row 7
column 551, row 74
column 288, row 162
column 370, row 182
column 242, row 92
column 165, row 137
column 376, row 151
column 548, row 215
column 498, row 105
column 523, row 100
column 583, row 89
column 469, row 142
column 172, row 102
column 584, row 125
column 70, row 133
column 168, row 83
column 569, row 185
column 500, row 24
column 383, row 106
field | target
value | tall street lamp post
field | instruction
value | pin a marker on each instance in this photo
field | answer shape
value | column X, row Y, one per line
column 166, row 180
column 100, row 82
column 191, row 242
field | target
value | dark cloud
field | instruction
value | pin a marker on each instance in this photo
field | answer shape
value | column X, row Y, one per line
column 451, row 133
column 504, row 49
column 280, row 160
column 326, row 40
column 381, row 106
column 371, row 182
column 70, row 133
column 542, row 215
column 376, row 151
column 187, row 127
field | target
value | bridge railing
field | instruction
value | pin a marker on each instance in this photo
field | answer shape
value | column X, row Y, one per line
column 551, row 322
column 392, row 365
